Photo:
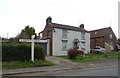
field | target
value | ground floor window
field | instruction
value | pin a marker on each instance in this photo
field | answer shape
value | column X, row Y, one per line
column 83, row 46
column 64, row 45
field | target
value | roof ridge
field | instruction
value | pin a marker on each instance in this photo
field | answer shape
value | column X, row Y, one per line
column 99, row 29
column 56, row 25
column 65, row 25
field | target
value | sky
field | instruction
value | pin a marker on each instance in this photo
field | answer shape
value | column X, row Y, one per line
column 94, row 14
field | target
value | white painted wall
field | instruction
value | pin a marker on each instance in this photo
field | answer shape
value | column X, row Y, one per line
column 87, row 42
column 57, row 41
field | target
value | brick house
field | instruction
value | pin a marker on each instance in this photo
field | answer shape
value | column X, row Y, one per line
column 104, row 38
column 63, row 37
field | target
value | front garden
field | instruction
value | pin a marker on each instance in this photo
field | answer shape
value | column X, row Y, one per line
column 90, row 57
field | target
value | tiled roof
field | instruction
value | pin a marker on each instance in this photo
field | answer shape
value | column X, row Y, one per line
column 61, row 26
column 99, row 32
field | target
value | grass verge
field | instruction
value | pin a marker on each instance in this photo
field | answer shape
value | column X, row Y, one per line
column 0, row 65
column 94, row 57
column 25, row 64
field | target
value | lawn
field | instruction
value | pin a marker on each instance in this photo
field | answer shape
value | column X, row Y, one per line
column 25, row 64
column 93, row 57
column 82, row 59
column 110, row 55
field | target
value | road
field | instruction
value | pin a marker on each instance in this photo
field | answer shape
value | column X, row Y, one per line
column 99, row 71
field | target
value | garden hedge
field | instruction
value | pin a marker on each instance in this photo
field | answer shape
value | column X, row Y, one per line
column 21, row 52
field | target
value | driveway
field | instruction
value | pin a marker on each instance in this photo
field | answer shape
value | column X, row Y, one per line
column 58, row 60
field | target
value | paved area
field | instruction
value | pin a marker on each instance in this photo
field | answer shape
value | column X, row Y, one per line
column 58, row 60
column 61, row 65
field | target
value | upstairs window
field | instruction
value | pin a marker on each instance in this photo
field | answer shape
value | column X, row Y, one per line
column 64, row 33
column 83, row 35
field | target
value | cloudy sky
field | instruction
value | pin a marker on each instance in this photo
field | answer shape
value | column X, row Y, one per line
column 94, row 14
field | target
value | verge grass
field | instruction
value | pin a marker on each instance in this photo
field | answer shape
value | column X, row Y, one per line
column 0, row 65
column 94, row 57
column 25, row 64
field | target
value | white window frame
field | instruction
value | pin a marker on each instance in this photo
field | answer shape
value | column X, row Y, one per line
column 64, row 45
column 83, row 35
column 82, row 44
column 64, row 33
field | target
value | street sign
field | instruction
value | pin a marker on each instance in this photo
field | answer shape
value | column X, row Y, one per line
column 32, row 44
column 28, row 40
column 25, row 40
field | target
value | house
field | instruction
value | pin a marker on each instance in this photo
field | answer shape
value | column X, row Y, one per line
column 63, row 37
column 118, row 44
column 104, row 38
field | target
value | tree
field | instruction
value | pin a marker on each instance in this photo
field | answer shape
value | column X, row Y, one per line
column 27, row 32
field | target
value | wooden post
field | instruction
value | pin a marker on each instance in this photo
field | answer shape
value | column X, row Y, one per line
column 32, row 48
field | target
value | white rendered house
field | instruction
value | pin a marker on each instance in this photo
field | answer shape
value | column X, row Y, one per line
column 64, row 37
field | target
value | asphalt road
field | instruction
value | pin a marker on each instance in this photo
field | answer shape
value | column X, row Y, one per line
column 99, row 71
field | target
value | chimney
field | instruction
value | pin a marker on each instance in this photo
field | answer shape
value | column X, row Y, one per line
column 81, row 26
column 48, row 20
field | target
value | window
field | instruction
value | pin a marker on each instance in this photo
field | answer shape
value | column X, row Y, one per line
column 110, row 35
column 95, row 32
column 64, row 33
column 64, row 44
column 83, row 36
column 83, row 44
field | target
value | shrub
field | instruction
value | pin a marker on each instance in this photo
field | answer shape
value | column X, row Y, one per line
column 20, row 52
column 97, row 52
column 72, row 53
column 39, row 52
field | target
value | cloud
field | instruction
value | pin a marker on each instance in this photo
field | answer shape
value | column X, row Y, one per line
column 95, row 14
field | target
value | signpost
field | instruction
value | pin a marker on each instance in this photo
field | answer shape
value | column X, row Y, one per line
column 32, row 48
column 32, row 44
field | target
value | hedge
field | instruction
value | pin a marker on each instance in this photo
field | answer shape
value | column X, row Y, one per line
column 21, row 52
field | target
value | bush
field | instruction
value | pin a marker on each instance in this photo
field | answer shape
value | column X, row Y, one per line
column 97, row 52
column 20, row 52
column 72, row 53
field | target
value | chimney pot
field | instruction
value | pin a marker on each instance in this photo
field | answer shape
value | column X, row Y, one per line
column 82, row 26
column 48, row 20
